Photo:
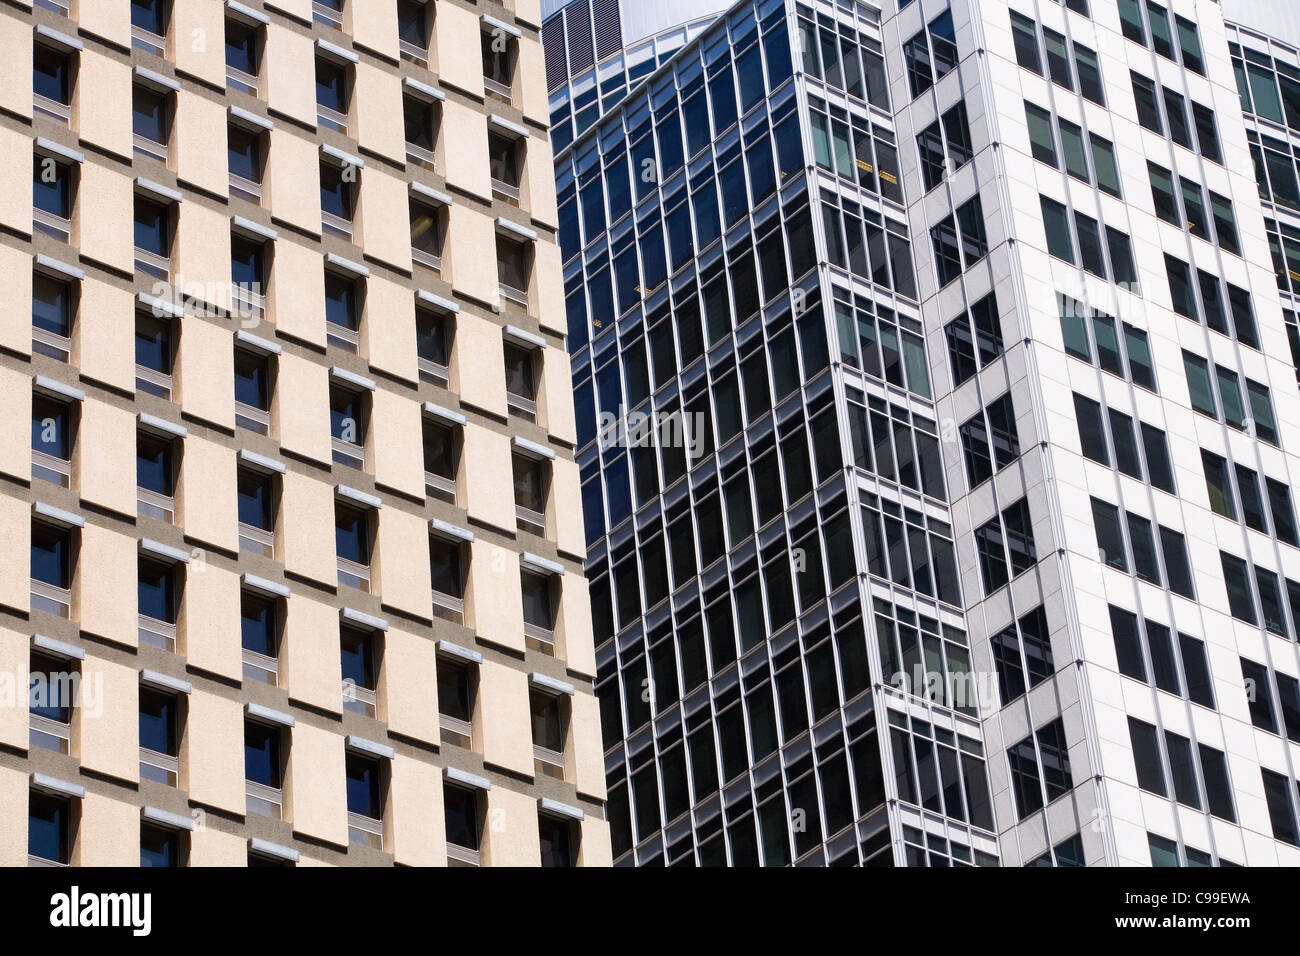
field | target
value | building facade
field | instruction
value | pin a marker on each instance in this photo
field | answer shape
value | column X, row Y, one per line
column 975, row 540
column 293, row 569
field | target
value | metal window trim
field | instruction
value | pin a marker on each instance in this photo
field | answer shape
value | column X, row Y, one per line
column 58, row 149
column 58, row 648
column 252, row 119
column 467, row 779
column 263, row 586
column 61, row 39
column 265, row 346
column 153, row 78
column 158, row 189
column 262, row 462
column 352, row 378
column 424, row 89
column 174, row 821
column 493, row 23
column 543, row 682
column 532, row 449
column 362, row 619
column 235, row 7
column 154, row 423
column 156, row 305
column 556, row 808
column 274, row 850
column 538, row 563
column 523, row 337
column 344, row 157
column 334, row 50
column 437, row 301
column 360, row 497
column 46, row 384
column 446, row 414
column 455, row 650
column 522, row 232
column 362, row 745
column 158, row 549
column 450, row 530
column 164, row 682
column 502, row 123
column 247, row 225
column 50, row 264
column 431, row 194
column 347, row 265
column 57, row 515
column 268, row 715
column 64, row 788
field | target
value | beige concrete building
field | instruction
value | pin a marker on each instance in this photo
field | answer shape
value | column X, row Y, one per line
column 293, row 550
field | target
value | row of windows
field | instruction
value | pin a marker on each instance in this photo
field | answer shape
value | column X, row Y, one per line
column 1269, row 89
column 1094, row 337
column 675, row 339
column 1164, row 852
column 944, row 146
column 936, row 770
column 925, row 658
column 910, row 549
column 1123, row 438
column 1177, row 667
column 691, row 761
column 1184, row 776
column 1030, row 56
column 931, row 54
column 1278, row 713
column 959, row 242
column 758, row 266
column 1043, row 134
column 642, row 567
column 1157, row 33
column 1284, row 246
column 159, row 456
column 885, row 345
column 1083, row 246
column 974, row 339
column 1276, row 169
column 53, row 826
column 989, row 440
column 1237, row 320
column 1145, row 559
column 793, row 811
column 1186, row 208
column 1022, row 655
column 855, row 65
column 1219, row 396
column 1175, row 118
column 1040, row 768
column 651, row 168
column 857, row 243
column 850, row 146
column 1005, row 546
column 673, row 438
column 1268, row 584
column 1067, row 852
column 894, row 443
column 1248, row 500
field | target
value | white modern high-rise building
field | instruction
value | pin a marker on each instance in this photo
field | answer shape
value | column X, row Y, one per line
column 975, row 540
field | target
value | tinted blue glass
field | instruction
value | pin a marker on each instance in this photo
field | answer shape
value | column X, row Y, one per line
column 50, row 187
column 241, row 46
column 50, row 305
column 50, row 73
column 158, row 847
column 153, row 465
column 256, row 627
column 150, row 15
column 155, row 594
column 47, row 828
column 158, row 722
column 152, row 227
column 350, row 539
column 262, row 754
column 363, row 787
